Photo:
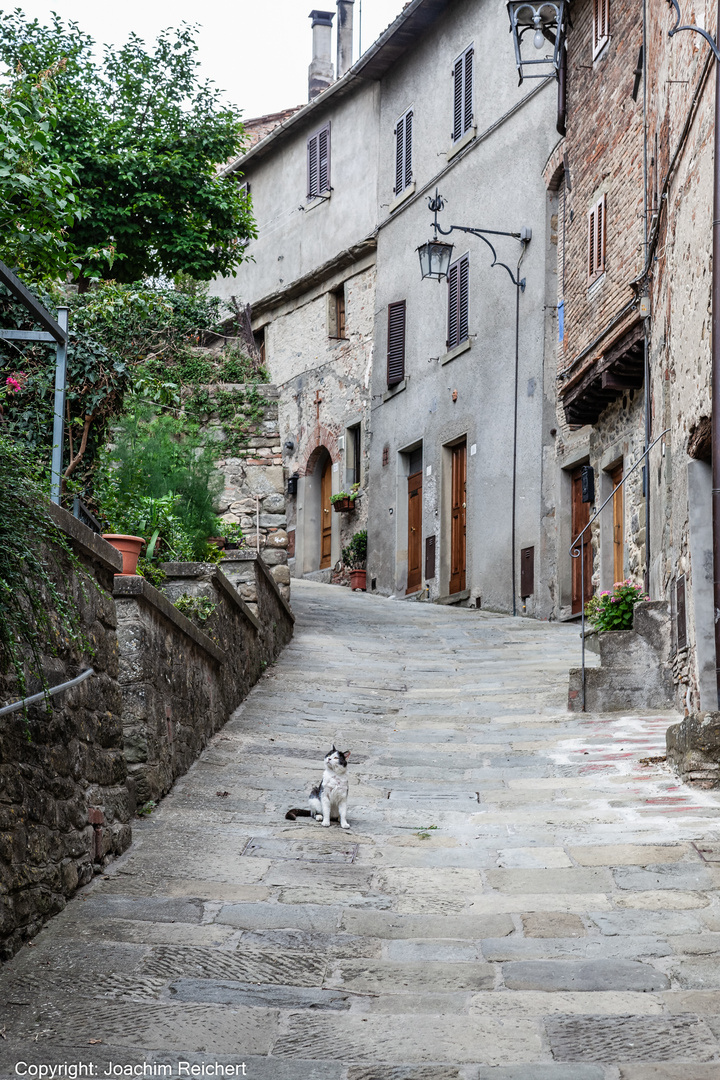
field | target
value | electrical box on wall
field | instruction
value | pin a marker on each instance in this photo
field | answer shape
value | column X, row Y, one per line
column 292, row 484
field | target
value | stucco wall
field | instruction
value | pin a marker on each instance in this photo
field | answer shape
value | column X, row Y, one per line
column 294, row 236
column 495, row 184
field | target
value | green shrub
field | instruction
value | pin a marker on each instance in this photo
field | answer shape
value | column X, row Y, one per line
column 614, row 610
column 159, row 481
column 355, row 554
column 197, row 608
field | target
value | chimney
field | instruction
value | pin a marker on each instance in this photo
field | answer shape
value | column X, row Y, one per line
column 320, row 72
column 344, row 36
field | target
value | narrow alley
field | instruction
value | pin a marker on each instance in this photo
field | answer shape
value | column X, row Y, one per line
column 524, row 894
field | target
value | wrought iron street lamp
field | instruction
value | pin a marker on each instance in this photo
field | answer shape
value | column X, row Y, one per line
column 435, row 254
column 545, row 21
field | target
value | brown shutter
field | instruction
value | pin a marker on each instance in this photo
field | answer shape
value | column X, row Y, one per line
column 312, row 166
column 591, row 244
column 396, row 343
column 458, row 100
column 452, row 338
column 463, row 298
column 600, row 248
column 323, row 137
column 399, row 154
column 408, row 149
column 468, row 91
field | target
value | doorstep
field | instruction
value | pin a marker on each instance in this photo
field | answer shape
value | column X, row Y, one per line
column 454, row 598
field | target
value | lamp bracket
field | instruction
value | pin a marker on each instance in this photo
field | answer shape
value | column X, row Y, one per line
column 691, row 26
column 437, row 203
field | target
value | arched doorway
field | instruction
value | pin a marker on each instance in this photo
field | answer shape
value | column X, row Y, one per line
column 318, row 535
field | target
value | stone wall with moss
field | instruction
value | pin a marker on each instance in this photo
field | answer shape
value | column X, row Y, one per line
column 65, row 800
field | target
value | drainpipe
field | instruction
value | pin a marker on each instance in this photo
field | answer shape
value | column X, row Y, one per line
column 716, row 372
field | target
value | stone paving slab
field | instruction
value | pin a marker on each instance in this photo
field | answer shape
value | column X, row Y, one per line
column 518, row 898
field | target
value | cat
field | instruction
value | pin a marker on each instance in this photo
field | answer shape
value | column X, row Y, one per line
column 331, row 794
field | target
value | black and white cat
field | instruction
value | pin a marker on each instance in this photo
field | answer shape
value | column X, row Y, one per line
column 329, row 798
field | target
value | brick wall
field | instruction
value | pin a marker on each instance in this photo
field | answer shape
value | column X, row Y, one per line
column 604, row 147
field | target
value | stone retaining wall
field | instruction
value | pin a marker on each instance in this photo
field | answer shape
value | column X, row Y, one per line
column 65, row 801
column 181, row 681
column 635, row 672
column 71, row 775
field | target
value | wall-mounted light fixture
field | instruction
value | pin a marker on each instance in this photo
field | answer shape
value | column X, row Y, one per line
column 545, row 21
column 435, row 254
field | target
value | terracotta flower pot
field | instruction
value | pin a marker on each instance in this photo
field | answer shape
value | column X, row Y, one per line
column 341, row 506
column 130, row 548
column 358, row 579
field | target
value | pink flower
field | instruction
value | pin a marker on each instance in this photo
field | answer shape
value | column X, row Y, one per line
column 13, row 384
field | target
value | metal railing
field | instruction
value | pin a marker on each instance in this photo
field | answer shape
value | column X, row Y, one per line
column 44, row 694
column 577, row 549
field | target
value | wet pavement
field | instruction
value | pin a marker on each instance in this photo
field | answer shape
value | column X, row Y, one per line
column 523, row 895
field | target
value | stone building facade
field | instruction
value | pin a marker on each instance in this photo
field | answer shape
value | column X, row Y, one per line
column 310, row 283
column 337, row 232
column 677, row 278
column 594, row 180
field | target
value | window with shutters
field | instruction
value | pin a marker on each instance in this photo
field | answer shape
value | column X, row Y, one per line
column 336, row 313
column 318, row 163
column 458, row 294
column 463, row 93
column 601, row 25
column 396, row 343
column 596, row 240
column 403, row 152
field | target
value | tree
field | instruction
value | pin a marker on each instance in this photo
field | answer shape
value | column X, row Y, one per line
column 145, row 137
column 38, row 207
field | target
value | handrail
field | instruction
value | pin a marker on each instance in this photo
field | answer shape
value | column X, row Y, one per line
column 577, row 550
column 44, row 694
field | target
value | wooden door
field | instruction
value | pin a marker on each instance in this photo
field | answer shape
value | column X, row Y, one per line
column 414, row 579
column 457, row 528
column 618, row 525
column 581, row 590
column 325, row 515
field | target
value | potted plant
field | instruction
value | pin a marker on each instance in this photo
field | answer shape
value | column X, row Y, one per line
column 355, row 556
column 344, row 501
column 614, row 610
column 233, row 536
column 129, row 547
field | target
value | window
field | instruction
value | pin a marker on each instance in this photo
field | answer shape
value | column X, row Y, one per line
column 601, row 25
column 396, row 343
column 463, row 94
column 336, row 313
column 353, row 455
column 259, row 339
column 458, row 291
column 596, row 240
column 318, row 162
column 403, row 152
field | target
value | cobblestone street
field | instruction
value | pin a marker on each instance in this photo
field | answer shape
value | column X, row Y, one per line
column 520, row 896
